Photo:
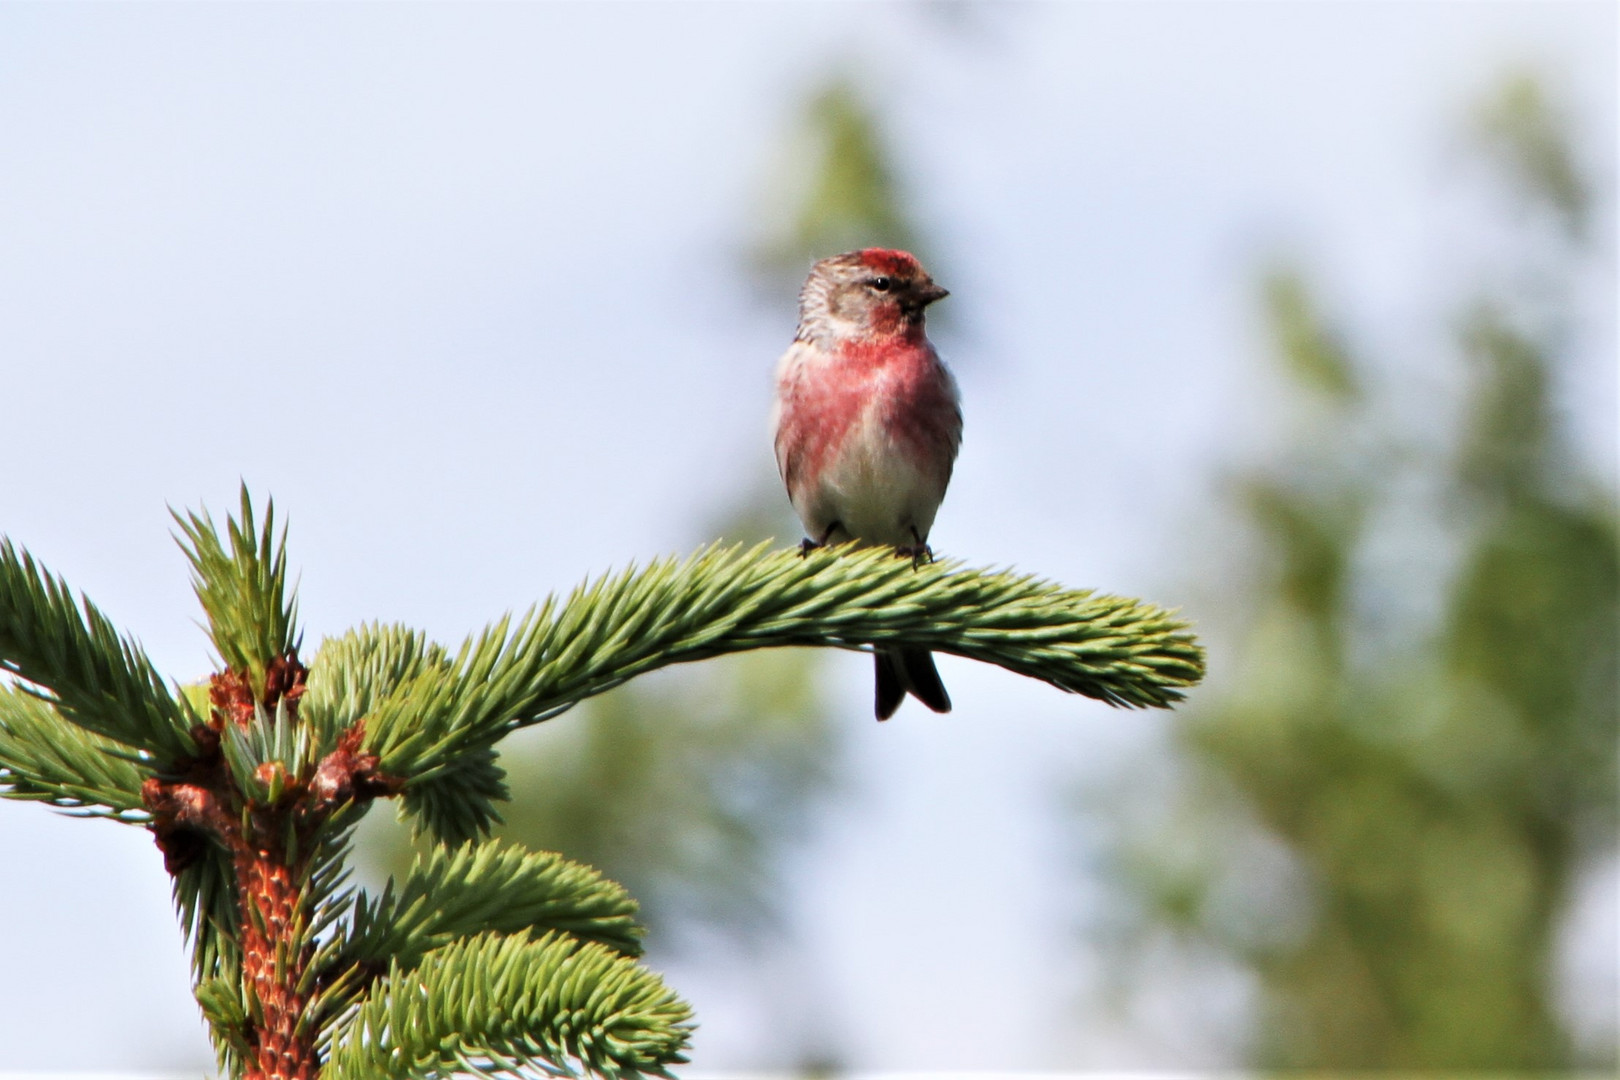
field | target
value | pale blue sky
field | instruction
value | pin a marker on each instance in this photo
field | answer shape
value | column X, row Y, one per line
column 461, row 287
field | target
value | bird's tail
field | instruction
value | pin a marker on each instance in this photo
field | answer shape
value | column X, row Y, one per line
column 902, row 671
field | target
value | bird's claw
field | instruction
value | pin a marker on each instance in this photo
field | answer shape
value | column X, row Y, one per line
column 918, row 553
column 807, row 545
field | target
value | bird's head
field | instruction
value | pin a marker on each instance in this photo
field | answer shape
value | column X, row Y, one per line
column 871, row 293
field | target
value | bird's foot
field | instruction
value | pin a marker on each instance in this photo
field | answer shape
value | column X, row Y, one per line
column 807, row 545
column 918, row 553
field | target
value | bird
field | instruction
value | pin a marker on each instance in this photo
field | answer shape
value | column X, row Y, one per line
column 867, row 422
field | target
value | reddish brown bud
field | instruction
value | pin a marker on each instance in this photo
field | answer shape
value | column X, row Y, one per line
column 273, row 775
column 183, row 816
column 346, row 773
column 284, row 680
column 232, row 698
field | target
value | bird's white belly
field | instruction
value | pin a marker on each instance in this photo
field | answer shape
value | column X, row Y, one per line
column 873, row 487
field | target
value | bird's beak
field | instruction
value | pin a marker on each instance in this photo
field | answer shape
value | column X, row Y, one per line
column 931, row 292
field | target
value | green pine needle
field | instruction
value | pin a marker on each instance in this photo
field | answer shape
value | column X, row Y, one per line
column 205, row 895
column 96, row 679
column 491, row 886
column 251, row 617
column 43, row 757
column 221, row 1002
column 494, row 1004
column 352, row 673
column 458, row 803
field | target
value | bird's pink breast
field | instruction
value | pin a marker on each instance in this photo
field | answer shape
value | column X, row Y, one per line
column 899, row 385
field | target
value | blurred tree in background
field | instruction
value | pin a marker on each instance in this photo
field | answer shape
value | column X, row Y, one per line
column 847, row 193
column 1383, row 825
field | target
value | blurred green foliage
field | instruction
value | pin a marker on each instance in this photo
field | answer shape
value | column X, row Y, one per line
column 1383, row 826
column 1519, row 128
column 844, row 193
column 683, row 788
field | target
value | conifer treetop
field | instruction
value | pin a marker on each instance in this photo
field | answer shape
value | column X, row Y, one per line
column 485, row 958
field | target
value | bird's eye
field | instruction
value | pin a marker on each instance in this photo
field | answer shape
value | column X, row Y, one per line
column 882, row 284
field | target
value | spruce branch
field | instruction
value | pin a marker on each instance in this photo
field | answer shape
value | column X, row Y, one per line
column 45, row 758
column 451, row 893
column 495, row 1004
column 726, row 599
column 96, row 679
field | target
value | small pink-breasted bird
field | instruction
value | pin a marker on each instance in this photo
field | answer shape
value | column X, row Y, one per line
column 867, row 424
